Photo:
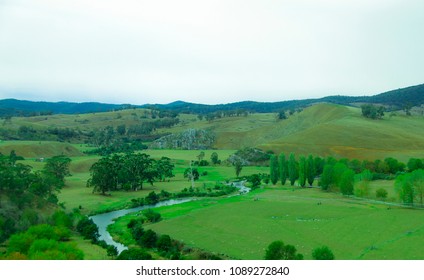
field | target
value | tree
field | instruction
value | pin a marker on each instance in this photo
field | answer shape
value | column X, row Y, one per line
column 278, row 251
column 322, row 253
column 302, row 171
column 310, row 170
column 282, row 168
column 214, row 158
column 201, row 156
column 411, row 187
column 372, row 112
column 148, row 239
column 273, row 166
column 405, row 189
column 414, row 164
column 102, row 176
column 164, row 243
column 58, row 166
column 282, row 115
column 165, row 168
column 346, row 182
column 293, row 175
column 238, row 166
column 192, row 174
column 326, row 177
column 363, row 179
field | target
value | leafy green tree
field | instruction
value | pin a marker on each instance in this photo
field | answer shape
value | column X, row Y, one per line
column 103, row 176
column 322, row 253
column 405, row 189
column 363, row 179
column 411, row 187
column 215, row 159
column 302, row 171
column 414, row 164
column 273, row 166
column 346, row 182
column 326, row 179
column 318, row 165
column 58, row 166
column 255, row 180
column 139, row 168
column 310, row 170
column 282, row 168
column 164, row 243
column 292, row 170
column 278, row 251
column 238, row 166
column 148, row 239
column 201, row 156
column 372, row 112
column 88, row 229
column 192, row 173
column 165, row 168
column 394, row 165
column 152, row 216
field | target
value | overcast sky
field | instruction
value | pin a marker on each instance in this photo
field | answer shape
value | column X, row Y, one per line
column 159, row 51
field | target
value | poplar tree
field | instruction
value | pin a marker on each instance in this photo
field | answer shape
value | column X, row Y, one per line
column 292, row 169
column 310, row 170
column 302, row 171
column 273, row 165
column 282, row 168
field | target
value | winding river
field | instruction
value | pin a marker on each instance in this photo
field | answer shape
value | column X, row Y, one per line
column 104, row 220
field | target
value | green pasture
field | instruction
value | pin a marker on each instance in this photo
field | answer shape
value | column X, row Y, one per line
column 76, row 195
column 39, row 149
column 243, row 226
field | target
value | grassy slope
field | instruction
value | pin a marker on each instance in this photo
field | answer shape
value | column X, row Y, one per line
column 242, row 227
column 37, row 149
column 322, row 129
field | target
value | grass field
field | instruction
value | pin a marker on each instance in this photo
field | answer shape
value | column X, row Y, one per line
column 242, row 227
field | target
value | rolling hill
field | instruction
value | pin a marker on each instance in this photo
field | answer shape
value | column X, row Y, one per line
column 410, row 96
column 322, row 129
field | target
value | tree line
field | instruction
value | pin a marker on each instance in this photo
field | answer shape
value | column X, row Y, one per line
column 342, row 174
column 128, row 172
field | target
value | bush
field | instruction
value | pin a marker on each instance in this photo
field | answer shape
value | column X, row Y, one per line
column 134, row 254
column 148, row 239
column 381, row 193
column 164, row 243
column 152, row 216
column 322, row 253
column 278, row 251
column 87, row 228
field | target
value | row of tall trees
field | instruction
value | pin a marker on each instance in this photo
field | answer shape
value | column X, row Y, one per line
column 341, row 175
column 304, row 171
column 128, row 172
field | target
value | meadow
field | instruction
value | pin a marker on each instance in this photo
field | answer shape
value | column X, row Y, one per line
column 242, row 227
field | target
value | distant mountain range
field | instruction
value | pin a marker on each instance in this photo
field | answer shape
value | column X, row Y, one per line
column 410, row 96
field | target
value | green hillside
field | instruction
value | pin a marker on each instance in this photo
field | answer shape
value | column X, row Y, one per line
column 322, row 129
